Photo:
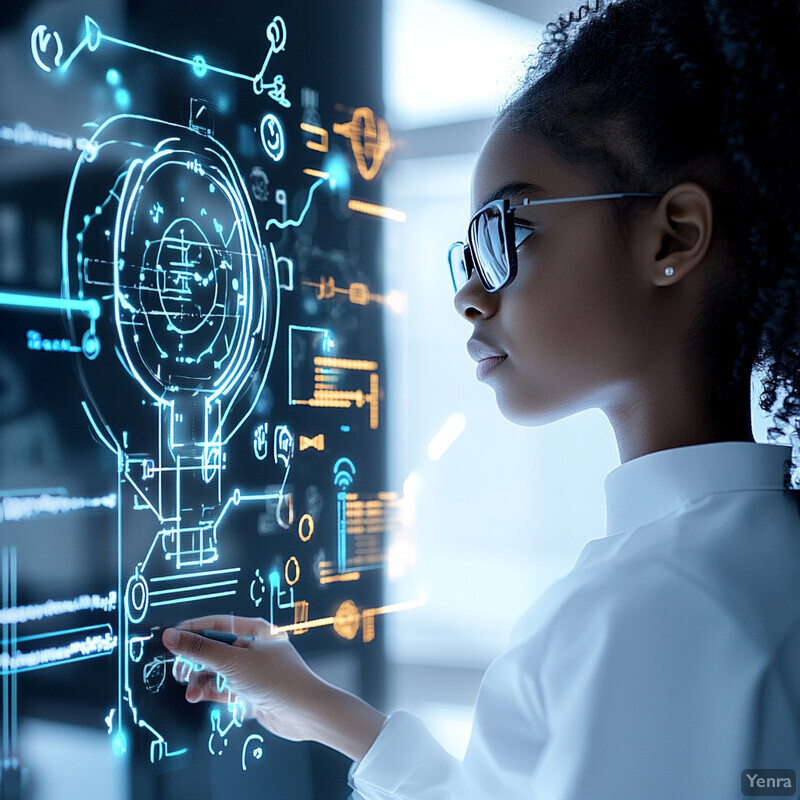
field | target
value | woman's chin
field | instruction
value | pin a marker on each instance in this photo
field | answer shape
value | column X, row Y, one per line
column 527, row 414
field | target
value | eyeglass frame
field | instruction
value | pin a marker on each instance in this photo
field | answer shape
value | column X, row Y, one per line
column 509, row 223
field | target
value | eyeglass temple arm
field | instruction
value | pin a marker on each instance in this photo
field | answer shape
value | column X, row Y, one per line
column 527, row 202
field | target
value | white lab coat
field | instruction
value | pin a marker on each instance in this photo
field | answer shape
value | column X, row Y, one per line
column 663, row 665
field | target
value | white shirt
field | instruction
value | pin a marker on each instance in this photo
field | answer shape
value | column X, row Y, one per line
column 663, row 665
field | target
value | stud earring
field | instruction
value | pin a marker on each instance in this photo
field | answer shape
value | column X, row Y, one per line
column 669, row 271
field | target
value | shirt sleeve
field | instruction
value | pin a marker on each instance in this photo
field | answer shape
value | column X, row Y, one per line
column 405, row 763
column 648, row 691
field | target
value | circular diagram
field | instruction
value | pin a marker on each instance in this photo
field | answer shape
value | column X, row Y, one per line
column 175, row 238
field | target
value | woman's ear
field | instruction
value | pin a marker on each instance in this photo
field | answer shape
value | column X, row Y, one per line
column 682, row 228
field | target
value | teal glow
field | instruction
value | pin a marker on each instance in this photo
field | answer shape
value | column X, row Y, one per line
column 122, row 97
column 113, row 77
column 335, row 164
column 89, row 307
column 119, row 744
column 199, row 66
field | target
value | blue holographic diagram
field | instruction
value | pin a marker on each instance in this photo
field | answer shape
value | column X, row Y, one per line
column 223, row 332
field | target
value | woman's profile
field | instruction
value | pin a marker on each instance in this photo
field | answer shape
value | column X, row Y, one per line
column 634, row 247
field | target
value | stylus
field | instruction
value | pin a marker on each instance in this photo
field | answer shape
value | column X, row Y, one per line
column 224, row 636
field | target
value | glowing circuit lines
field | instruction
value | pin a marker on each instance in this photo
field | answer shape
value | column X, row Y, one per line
column 136, row 597
column 218, row 739
column 258, row 589
column 281, row 599
column 189, row 545
column 136, row 647
column 284, row 267
column 276, row 36
column 47, row 60
column 296, row 223
column 257, row 742
column 13, row 300
column 344, row 473
column 237, row 497
column 155, row 673
column 90, row 343
column 222, row 583
column 195, row 294
column 188, row 292
column 159, row 749
column 369, row 141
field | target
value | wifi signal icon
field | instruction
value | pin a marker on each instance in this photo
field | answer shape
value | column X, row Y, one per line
column 344, row 472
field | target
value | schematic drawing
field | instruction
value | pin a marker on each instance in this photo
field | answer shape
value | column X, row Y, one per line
column 174, row 248
column 165, row 272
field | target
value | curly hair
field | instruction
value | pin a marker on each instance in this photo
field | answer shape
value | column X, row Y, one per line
column 648, row 93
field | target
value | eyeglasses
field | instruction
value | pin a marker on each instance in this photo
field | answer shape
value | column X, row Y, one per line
column 493, row 236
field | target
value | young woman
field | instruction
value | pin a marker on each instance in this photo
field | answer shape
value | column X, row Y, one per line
column 635, row 247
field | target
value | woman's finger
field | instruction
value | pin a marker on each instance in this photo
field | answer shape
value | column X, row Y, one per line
column 197, row 649
column 203, row 686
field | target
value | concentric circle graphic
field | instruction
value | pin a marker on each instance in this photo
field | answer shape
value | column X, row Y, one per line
column 174, row 242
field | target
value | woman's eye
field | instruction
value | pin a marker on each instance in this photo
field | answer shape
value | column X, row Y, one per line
column 522, row 234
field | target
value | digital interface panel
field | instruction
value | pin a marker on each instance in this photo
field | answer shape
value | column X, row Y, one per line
column 191, row 367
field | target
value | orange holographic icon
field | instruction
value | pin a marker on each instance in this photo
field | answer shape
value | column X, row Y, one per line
column 375, row 210
column 346, row 620
column 317, row 173
column 328, row 574
column 368, row 627
column 317, row 443
column 292, row 566
column 328, row 373
column 369, row 140
column 331, row 382
column 300, row 616
column 305, row 528
column 357, row 293
column 315, row 130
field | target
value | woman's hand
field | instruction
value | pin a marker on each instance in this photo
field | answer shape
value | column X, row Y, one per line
column 272, row 680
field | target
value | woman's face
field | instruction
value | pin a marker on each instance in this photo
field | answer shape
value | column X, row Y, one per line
column 573, row 324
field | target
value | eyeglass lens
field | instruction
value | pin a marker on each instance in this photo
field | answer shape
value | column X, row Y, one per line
column 458, row 265
column 487, row 239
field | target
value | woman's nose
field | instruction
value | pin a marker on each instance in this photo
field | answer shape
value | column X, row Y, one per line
column 473, row 301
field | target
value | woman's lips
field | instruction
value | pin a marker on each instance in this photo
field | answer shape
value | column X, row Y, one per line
column 486, row 365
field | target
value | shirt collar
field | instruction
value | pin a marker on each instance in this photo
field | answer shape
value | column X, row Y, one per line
column 653, row 485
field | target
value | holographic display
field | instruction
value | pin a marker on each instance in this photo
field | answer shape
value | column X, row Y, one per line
column 199, row 363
